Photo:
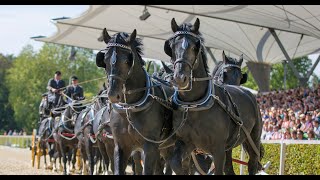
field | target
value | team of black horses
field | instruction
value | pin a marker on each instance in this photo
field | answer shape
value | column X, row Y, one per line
column 182, row 119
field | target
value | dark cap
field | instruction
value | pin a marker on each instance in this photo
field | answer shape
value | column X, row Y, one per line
column 58, row 73
column 74, row 78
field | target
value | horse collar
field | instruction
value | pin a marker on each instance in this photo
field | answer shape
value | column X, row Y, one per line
column 203, row 104
column 140, row 105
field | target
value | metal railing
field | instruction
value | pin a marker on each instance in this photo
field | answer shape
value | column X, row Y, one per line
column 283, row 144
column 16, row 141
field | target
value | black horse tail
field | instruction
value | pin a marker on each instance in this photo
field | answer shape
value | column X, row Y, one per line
column 262, row 150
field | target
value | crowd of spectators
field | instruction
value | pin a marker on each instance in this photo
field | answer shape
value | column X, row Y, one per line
column 15, row 133
column 291, row 114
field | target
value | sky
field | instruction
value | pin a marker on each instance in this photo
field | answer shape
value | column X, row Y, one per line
column 20, row 22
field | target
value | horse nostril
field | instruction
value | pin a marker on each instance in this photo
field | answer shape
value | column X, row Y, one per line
column 118, row 97
column 185, row 79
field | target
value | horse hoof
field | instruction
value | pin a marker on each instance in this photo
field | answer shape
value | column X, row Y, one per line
column 106, row 173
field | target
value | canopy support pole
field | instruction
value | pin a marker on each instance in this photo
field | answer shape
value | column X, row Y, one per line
column 313, row 67
column 302, row 80
column 212, row 56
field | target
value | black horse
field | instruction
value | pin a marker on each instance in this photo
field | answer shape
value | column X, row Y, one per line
column 139, row 118
column 104, row 138
column 46, row 140
column 84, row 132
column 66, row 141
column 229, row 72
column 207, row 112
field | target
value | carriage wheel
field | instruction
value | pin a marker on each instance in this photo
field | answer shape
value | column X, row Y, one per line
column 33, row 148
column 39, row 153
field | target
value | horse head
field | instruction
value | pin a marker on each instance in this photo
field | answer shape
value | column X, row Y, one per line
column 185, row 48
column 228, row 71
column 121, row 59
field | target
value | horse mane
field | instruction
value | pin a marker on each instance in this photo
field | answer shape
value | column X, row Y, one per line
column 188, row 27
column 123, row 38
column 233, row 61
column 216, row 68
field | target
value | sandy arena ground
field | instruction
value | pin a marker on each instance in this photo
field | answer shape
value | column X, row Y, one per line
column 17, row 161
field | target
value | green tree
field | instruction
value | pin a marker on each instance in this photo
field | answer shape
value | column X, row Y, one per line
column 29, row 75
column 302, row 64
column 6, row 112
column 251, row 83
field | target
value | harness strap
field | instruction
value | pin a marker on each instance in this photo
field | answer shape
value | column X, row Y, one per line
column 202, row 79
column 141, row 89
column 238, row 121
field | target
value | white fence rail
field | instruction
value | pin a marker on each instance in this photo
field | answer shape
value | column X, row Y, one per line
column 16, row 141
column 283, row 144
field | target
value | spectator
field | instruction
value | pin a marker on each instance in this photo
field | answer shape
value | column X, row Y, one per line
column 14, row 133
column 294, row 135
column 300, row 135
column 307, row 125
column 311, row 135
column 10, row 132
column 277, row 134
column 316, row 128
column 269, row 133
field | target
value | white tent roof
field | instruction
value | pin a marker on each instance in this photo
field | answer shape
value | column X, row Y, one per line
column 244, row 32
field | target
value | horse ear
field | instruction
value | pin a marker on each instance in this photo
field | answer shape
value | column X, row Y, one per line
column 244, row 78
column 174, row 25
column 100, row 60
column 105, row 36
column 196, row 26
column 224, row 57
column 166, row 68
column 167, row 48
column 240, row 59
column 133, row 36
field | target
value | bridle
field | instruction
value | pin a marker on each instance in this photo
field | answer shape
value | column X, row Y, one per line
column 220, row 75
column 190, row 65
column 114, row 60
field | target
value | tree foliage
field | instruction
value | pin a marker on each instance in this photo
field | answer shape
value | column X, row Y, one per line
column 6, row 112
column 30, row 72
column 302, row 64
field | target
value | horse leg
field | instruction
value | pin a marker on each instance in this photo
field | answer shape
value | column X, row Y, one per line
column 54, row 159
column 168, row 169
column 51, row 154
column 160, row 167
column 44, row 155
column 253, row 158
column 110, row 152
column 84, row 160
column 228, row 166
column 105, row 158
column 151, row 157
column 180, row 150
column 88, row 146
column 219, row 157
column 63, row 151
column 137, row 163
column 74, row 158
column 121, row 156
